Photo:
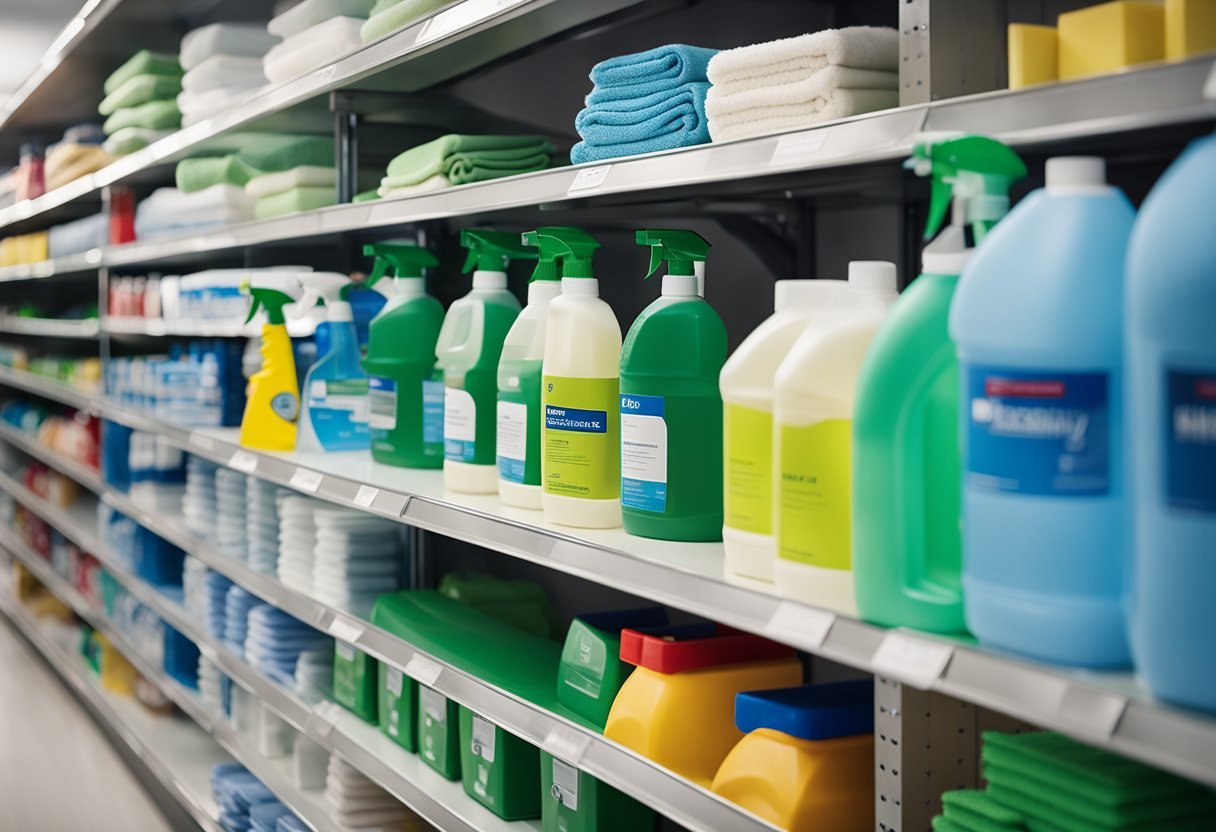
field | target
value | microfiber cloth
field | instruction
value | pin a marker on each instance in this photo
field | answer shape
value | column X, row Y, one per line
column 271, row 153
column 196, row 106
column 792, row 59
column 393, row 14
column 131, row 139
column 224, row 71
column 294, row 201
column 168, row 210
column 140, row 90
column 314, row 47
column 143, row 62
column 464, row 159
column 662, row 121
column 197, row 174
column 977, row 811
column 244, row 39
column 155, row 115
column 645, row 73
column 269, row 184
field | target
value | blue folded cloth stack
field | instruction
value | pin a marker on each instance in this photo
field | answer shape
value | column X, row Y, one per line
column 643, row 103
column 237, row 793
column 237, row 605
column 215, row 603
column 274, row 640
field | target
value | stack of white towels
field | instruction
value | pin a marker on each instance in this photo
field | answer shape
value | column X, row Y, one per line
column 355, row 802
column 223, row 64
column 797, row 82
column 314, row 33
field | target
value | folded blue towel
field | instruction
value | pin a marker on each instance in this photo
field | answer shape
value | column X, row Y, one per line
column 646, row 73
column 662, row 121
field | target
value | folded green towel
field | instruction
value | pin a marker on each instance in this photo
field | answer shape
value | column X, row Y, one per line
column 143, row 62
column 367, row 196
column 197, row 173
column 941, row 823
column 465, row 159
column 140, row 90
column 130, row 139
column 390, row 15
column 1078, row 815
column 155, row 115
column 294, row 201
column 978, row 812
column 273, row 153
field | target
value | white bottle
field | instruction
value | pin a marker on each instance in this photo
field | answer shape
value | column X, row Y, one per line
column 747, row 412
column 815, row 389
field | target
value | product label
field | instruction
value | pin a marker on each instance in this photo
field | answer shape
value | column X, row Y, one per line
column 815, row 484
column 382, row 403
column 434, row 705
column 393, row 680
column 459, row 425
column 1190, row 440
column 565, row 784
column 346, row 396
column 483, row 739
column 1038, row 433
column 512, row 440
column 643, row 453
column 582, row 436
column 432, row 412
column 345, row 651
column 748, row 469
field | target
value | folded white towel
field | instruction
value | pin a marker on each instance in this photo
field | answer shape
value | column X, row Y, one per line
column 224, row 71
column 833, row 104
column 308, row 13
column 196, row 106
column 732, row 103
column 270, row 184
column 438, row 182
column 792, row 59
column 314, row 47
column 248, row 39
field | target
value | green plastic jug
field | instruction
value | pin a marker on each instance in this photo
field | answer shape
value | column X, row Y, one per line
column 439, row 732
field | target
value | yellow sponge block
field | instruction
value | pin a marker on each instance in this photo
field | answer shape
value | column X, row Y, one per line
column 1110, row 36
column 1033, row 55
column 1190, row 28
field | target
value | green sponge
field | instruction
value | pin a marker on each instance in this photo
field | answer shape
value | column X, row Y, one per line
column 941, row 823
column 1049, row 809
column 143, row 62
column 271, row 154
column 977, row 810
column 199, row 173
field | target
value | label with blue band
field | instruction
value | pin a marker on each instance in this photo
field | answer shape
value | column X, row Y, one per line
column 432, row 412
column 577, row 421
column 1190, row 440
column 643, row 453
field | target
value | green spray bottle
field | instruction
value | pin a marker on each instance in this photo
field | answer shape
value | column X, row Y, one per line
column 406, row 399
column 519, row 373
column 273, row 403
column 907, row 465
column 470, row 344
column 671, row 407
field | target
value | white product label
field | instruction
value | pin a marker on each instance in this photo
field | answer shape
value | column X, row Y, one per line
column 483, row 739
column 805, row 627
column 565, row 784
column 349, row 396
column 589, row 178
column 914, row 660
column 459, row 425
column 345, row 651
column 798, row 147
column 512, row 442
column 382, row 403
column 308, row 480
column 394, row 679
column 434, row 705
column 366, row 495
column 643, row 453
column 243, row 461
column 345, row 630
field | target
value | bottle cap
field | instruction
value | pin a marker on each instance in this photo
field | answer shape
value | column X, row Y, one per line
column 877, row 275
column 791, row 294
column 1076, row 172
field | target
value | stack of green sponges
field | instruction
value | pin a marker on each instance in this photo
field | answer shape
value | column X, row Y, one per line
column 296, row 173
column 141, row 99
column 1046, row 782
column 460, row 160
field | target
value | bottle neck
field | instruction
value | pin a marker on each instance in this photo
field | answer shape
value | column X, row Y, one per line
column 540, row 292
column 408, row 288
column 586, row 286
column 489, row 280
column 680, row 286
column 339, row 312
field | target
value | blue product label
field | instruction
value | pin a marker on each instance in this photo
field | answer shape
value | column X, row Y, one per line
column 643, row 453
column 432, row 412
column 1190, row 440
column 578, row 421
column 1043, row 433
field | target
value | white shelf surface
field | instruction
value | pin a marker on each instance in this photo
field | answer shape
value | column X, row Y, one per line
column 49, row 327
column 71, row 264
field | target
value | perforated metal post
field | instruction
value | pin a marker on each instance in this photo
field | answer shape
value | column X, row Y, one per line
column 951, row 47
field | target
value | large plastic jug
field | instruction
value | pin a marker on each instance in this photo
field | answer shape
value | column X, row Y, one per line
column 1038, row 320
column 807, row 762
column 812, row 435
column 1171, row 407
column 747, row 429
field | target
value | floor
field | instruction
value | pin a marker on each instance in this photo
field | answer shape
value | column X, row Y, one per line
column 51, row 749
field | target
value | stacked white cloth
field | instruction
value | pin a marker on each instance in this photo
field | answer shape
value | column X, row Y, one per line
column 169, row 211
column 797, row 82
column 262, row 525
column 297, row 540
column 357, row 558
column 231, row 513
column 314, row 33
column 357, row 803
column 223, row 63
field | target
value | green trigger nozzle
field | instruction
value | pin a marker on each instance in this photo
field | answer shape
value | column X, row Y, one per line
column 490, row 251
column 678, row 247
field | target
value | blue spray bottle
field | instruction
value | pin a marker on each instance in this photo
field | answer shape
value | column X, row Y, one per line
column 335, row 404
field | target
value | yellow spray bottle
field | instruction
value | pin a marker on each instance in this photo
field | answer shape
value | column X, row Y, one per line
column 273, row 401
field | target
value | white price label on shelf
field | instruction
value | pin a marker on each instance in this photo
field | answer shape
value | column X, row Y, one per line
column 305, row 479
column 566, row 744
column 797, row 147
column 423, row 670
column 324, row 717
column 915, row 660
column 200, row 441
column 243, row 461
column 460, row 17
column 343, row 629
column 366, row 495
column 1090, row 711
column 589, row 178
column 801, row 626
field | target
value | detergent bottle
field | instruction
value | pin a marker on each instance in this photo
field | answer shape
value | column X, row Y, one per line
column 469, row 346
column 405, row 398
column 907, row 517
column 519, row 373
column 273, row 402
column 671, row 409
column 1171, row 407
column 815, row 388
column 1038, row 320
column 335, row 411
column 580, row 390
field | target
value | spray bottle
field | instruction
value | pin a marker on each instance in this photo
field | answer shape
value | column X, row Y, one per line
column 580, row 393
column 671, row 408
column 470, row 344
column 273, row 402
column 519, row 374
column 406, row 400
column 335, row 412
column 906, row 520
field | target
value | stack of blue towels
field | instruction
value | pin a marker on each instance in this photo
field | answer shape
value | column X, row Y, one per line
column 214, row 603
column 237, row 605
column 274, row 640
column 643, row 103
column 245, row 804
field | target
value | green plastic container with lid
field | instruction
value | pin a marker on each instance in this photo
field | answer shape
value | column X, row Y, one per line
column 405, row 397
column 439, row 732
column 500, row 771
column 356, row 681
column 671, row 406
column 522, row 604
column 398, row 697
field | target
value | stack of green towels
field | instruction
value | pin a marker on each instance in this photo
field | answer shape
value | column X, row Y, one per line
column 1046, row 782
column 461, row 160
column 141, row 101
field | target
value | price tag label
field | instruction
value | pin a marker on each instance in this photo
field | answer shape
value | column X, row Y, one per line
column 566, row 744
column 589, row 178
column 343, row 629
column 326, row 73
column 423, row 670
column 243, row 461
column 324, row 717
column 914, row 660
column 305, row 479
column 1095, row 712
column 203, row 443
column 801, row 626
column 797, row 147
column 366, row 495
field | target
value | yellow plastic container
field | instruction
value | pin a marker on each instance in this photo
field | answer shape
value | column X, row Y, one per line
column 1033, row 55
column 1109, row 37
column 1190, row 28
column 677, row 707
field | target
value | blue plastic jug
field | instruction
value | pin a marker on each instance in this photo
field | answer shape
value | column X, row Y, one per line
column 1037, row 319
column 1171, row 405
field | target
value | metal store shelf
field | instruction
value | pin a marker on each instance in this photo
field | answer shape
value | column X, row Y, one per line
column 83, row 474
column 49, row 327
column 49, row 388
column 71, row 264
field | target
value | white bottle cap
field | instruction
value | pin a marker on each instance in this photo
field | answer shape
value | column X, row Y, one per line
column 340, row 312
column 789, row 294
column 489, row 280
column 872, row 275
column 543, row 291
column 680, row 286
column 1071, row 172
column 581, row 286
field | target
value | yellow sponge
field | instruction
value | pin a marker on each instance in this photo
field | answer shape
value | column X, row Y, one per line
column 1033, row 55
column 1190, row 28
column 1110, row 36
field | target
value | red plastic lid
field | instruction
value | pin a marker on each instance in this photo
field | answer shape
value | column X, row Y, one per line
column 727, row 646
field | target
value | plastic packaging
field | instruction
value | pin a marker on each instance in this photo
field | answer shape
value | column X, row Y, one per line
column 335, row 407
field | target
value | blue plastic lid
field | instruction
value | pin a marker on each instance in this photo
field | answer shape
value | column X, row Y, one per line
column 809, row 712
